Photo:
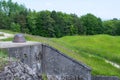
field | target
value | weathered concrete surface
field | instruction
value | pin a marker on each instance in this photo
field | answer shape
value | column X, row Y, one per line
column 56, row 63
column 18, row 71
column 43, row 59
column 10, row 44
column 28, row 53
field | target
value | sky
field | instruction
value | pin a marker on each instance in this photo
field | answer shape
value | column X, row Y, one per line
column 105, row 9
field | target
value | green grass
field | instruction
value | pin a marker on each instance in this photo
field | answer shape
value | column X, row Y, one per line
column 103, row 46
column 3, row 59
column 91, row 50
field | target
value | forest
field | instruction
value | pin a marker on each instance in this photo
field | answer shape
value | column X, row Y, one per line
column 18, row 18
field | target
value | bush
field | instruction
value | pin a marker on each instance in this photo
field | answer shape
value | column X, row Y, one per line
column 15, row 27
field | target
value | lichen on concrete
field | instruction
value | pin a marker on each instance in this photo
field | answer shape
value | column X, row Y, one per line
column 18, row 71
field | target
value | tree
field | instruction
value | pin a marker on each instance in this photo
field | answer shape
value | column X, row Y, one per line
column 92, row 24
column 45, row 24
column 31, row 21
column 108, row 27
column 15, row 27
column 4, row 21
column 10, row 12
column 59, row 23
column 112, row 27
column 56, row 25
column 76, row 23
column 117, row 29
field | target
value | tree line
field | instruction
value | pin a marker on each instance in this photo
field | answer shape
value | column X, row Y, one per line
column 17, row 17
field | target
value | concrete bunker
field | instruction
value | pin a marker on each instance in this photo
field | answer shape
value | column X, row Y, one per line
column 44, row 59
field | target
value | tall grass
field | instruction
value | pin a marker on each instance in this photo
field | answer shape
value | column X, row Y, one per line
column 104, row 46
column 93, row 50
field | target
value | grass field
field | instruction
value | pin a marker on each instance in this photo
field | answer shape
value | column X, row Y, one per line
column 94, row 50
column 91, row 50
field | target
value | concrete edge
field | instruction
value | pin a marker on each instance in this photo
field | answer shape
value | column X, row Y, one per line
column 78, row 62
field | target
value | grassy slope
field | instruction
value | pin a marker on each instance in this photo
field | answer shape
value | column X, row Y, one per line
column 91, row 50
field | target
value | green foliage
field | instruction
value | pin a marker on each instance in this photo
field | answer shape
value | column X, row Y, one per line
column 12, row 13
column 92, row 24
column 3, row 54
column 3, row 59
column 112, row 27
column 21, row 19
column 15, row 27
column 4, row 21
column 45, row 24
column 52, row 23
column 108, row 27
column 31, row 20
column 44, row 77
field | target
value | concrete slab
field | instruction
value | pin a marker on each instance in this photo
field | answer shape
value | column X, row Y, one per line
column 8, row 44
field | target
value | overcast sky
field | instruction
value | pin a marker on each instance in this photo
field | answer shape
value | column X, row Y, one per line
column 105, row 9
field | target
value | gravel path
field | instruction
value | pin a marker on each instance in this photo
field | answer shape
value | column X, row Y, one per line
column 6, row 35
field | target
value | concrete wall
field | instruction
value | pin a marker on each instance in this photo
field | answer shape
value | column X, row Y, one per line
column 30, row 55
column 44, row 59
column 18, row 71
column 56, row 63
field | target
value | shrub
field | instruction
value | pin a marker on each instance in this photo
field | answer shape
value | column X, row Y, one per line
column 15, row 27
